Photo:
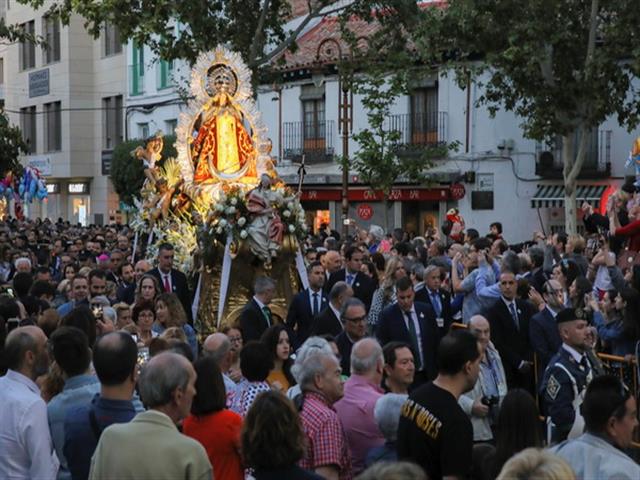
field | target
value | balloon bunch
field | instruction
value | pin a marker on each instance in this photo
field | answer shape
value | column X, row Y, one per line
column 31, row 186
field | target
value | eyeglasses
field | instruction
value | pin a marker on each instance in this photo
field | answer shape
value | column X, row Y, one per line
column 355, row 319
column 235, row 339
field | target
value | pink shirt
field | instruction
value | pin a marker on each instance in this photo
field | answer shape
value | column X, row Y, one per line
column 355, row 411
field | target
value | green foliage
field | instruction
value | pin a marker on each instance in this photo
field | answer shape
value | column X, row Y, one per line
column 558, row 65
column 246, row 26
column 127, row 174
column 11, row 147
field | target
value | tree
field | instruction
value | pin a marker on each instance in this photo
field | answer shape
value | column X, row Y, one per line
column 379, row 160
column 563, row 67
column 127, row 175
column 255, row 28
column 11, row 147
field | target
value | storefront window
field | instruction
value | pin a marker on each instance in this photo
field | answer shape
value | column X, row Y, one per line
column 80, row 207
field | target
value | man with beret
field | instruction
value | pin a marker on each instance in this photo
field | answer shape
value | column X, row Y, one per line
column 567, row 376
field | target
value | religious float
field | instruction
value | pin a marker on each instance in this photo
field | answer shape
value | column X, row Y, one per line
column 220, row 202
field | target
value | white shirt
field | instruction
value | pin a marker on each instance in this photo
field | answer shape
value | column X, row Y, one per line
column 418, row 332
column 319, row 297
column 577, row 356
column 166, row 277
column 26, row 448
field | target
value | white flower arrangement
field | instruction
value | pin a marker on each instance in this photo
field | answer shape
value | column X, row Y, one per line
column 242, row 221
column 286, row 213
column 243, row 234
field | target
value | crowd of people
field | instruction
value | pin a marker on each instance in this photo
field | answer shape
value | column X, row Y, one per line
column 425, row 357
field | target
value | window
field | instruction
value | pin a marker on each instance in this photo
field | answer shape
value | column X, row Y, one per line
column 143, row 130
column 165, row 72
column 112, row 121
column 424, row 115
column 313, row 123
column 170, row 126
column 52, row 127
column 51, row 33
column 112, row 42
column 27, row 47
column 28, row 127
column 136, row 71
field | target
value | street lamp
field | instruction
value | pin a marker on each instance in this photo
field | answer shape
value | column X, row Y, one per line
column 330, row 50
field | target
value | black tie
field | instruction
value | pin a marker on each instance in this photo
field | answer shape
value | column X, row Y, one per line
column 414, row 340
column 315, row 304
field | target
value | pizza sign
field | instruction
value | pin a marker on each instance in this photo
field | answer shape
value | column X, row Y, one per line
column 365, row 211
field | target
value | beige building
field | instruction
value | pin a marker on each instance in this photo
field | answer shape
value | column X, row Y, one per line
column 68, row 100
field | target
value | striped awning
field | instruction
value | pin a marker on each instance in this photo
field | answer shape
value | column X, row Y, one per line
column 548, row 196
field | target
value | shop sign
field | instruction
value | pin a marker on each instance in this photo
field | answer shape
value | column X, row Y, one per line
column 365, row 211
column 53, row 188
column 43, row 164
column 39, row 83
column 78, row 188
column 396, row 194
column 457, row 191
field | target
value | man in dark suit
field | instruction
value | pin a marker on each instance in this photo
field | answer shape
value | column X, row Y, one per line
column 438, row 298
column 415, row 324
column 306, row 305
column 543, row 329
column 328, row 321
column 363, row 286
column 172, row 280
column 256, row 316
column 536, row 276
column 354, row 318
column 509, row 319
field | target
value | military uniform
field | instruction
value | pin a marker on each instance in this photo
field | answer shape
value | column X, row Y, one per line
column 565, row 383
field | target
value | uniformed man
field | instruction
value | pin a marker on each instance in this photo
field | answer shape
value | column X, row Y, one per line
column 567, row 376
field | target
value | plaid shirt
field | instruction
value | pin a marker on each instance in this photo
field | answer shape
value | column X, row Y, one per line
column 326, row 441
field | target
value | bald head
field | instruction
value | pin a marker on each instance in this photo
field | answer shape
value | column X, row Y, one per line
column 480, row 327
column 367, row 358
column 161, row 376
column 25, row 351
column 331, row 261
column 141, row 267
column 218, row 346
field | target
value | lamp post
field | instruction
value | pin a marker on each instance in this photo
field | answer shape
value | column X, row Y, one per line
column 330, row 51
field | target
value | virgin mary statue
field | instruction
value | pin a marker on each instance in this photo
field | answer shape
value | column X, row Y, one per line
column 222, row 144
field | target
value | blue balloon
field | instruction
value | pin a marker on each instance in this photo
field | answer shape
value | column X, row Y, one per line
column 33, row 188
column 9, row 191
column 1, row 189
column 21, row 189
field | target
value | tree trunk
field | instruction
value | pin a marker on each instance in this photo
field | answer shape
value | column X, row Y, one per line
column 572, row 164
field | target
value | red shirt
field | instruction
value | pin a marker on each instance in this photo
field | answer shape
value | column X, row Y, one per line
column 219, row 434
column 327, row 444
column 631, row 230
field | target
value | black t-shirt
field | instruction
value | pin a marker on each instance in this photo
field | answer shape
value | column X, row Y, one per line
column 435, row 433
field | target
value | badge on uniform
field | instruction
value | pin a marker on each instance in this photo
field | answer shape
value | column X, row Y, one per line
column 553, row 387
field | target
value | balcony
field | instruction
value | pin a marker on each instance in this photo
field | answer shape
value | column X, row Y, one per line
column 136, row 79
column 597, row 164
column 419, row 130
column 314, row 141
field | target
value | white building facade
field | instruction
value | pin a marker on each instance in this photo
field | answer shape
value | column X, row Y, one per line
column 68, row 99
column 496, row 174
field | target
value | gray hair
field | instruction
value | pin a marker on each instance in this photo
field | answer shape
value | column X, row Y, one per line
column 263, row 285
column 109, row 313
column 536, row 254
column 338, row 289
column 311, row 346
column 387, row 414
column 376, row 232
column 418, row 270
column 161, row 376
column 311, row 367
column 22, row 260
column 366, row 354
column 393, row 471
column 510, row 262
column 351, row 302
column 429, row 270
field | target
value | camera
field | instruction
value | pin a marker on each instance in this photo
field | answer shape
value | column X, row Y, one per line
column 490, row 401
